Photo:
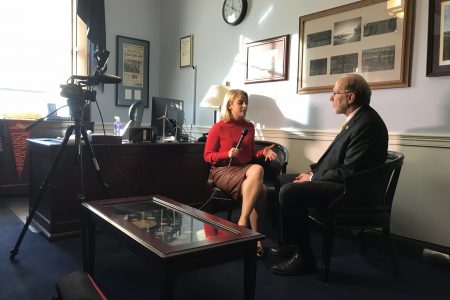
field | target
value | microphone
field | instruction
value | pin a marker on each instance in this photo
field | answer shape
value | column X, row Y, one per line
column 244, row 133
column 105, row 78
column 96, row 79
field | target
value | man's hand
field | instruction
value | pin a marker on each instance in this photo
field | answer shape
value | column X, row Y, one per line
column 303, row 177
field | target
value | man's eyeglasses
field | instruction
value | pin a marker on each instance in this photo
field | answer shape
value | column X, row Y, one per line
column 337, row 93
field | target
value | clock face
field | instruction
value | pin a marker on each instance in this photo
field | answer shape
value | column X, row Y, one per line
column 233, row 11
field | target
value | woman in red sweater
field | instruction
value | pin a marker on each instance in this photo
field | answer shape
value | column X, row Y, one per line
column 233, row 170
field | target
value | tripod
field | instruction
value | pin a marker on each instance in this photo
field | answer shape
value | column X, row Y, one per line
column 76, row 106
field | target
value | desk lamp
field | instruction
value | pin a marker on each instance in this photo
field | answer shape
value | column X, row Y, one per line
column 214, row 98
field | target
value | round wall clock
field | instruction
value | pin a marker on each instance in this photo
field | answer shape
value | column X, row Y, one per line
column 233, row 11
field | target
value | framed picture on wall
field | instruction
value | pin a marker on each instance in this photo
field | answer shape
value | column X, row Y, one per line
column 438, row 58
column 133, row 67
column 267, row 60
column 368, row 37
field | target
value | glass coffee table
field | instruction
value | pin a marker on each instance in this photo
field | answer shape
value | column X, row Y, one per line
column 174, row 236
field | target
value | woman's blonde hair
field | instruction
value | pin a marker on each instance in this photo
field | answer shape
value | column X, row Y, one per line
column 229, row 97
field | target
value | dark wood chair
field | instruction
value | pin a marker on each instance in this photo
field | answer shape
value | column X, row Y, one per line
column 271, row 170
column 365, row 204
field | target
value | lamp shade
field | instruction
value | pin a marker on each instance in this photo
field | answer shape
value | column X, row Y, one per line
column 214, row 96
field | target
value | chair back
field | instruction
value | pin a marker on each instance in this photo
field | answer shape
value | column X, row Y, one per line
column 365, row 204
column 368, row 195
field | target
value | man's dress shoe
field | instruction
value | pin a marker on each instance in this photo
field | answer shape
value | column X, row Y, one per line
column 296, row 265
column 283, row 251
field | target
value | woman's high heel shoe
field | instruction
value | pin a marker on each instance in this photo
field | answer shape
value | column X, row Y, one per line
column 259, row 252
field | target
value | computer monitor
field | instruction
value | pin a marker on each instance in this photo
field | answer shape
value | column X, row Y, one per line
column 167, row 118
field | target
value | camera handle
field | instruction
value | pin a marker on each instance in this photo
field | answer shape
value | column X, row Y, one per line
column 80, row 131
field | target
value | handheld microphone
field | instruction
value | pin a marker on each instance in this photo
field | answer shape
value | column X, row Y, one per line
column 244, row 133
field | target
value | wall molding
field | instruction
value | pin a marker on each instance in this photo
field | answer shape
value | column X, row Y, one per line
column 395, row 138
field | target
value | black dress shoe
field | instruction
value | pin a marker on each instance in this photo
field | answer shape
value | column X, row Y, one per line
column 296, row 265
column 283, row 251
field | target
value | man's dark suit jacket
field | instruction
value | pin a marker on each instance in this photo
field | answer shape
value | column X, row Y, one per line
column 361, row 145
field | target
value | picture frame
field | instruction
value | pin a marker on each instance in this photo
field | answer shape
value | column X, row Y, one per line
column 267, row 60
column 186, row 51
column 438, row 55
column 132, row 65
column 372, row 38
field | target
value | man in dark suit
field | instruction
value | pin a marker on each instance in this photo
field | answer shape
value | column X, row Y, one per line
column 361, row 144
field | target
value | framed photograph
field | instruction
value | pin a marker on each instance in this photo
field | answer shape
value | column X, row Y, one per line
column 370, row 37
column 186, row 51
column 132, row 66
column 267, row 60
column 438, row 58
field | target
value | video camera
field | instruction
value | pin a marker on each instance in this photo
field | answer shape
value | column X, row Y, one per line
column 81, row 87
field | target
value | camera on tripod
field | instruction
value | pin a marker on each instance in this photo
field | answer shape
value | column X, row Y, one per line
column 79, row 91
column 76, row 91
column 81, row 87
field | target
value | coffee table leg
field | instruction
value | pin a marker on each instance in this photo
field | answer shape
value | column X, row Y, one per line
column 167, row 283
column 250, row 271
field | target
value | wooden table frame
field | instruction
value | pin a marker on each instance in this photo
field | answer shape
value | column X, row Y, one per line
column 173, row 260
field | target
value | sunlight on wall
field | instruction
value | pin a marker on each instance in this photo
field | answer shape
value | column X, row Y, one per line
column 264, row 16
column 237, row 71
column 294, row 108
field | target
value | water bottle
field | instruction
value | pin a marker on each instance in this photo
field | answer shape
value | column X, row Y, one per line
column 118, row 126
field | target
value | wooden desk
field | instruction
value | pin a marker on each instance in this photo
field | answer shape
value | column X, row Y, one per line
column 175, row 170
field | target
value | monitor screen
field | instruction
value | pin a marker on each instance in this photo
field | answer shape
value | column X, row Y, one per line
column 167, row 114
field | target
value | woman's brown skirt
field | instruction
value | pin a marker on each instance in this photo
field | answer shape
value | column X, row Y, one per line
column 229, row 178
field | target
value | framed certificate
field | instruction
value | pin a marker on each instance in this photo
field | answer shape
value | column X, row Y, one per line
column 186, row 51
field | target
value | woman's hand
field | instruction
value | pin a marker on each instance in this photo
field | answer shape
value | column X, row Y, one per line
column 233, row 152
column 268, row 153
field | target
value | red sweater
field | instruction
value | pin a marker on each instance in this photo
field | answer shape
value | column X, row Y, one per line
column 225, row 135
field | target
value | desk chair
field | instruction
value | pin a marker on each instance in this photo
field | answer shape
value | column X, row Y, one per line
column 365, row 204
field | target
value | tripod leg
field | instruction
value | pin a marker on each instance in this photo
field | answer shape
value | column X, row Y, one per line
column 78, row 163
column 104, row 186
column 42, row 190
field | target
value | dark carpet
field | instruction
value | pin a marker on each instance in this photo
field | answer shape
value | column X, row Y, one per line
column 122, row 275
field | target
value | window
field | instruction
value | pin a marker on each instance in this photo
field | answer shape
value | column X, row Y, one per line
column 37, row 55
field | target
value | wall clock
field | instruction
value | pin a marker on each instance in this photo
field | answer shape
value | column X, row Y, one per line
column 233, row 11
